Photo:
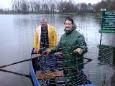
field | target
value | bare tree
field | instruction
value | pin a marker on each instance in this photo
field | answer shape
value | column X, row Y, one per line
column 24, row 7
column 52, row 8
column 37, row 7
column 67, row 7
column 45, row 8
column 20, row 6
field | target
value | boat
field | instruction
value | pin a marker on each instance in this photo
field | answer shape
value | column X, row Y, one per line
column 35, row 78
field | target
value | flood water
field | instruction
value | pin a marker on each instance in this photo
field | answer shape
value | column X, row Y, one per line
column 16, row 35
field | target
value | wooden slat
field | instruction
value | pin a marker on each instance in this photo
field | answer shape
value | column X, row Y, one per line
column 45, row 75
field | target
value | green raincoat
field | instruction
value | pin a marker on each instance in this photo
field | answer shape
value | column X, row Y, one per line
column 70, row 41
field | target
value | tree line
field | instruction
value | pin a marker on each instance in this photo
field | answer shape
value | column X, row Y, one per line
column 105, row 4
column 60, row 6
column 48, row 7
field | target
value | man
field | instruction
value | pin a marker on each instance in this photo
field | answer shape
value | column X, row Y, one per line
column 44, row 37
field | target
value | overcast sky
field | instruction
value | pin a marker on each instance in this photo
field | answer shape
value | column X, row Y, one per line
column 7, row 3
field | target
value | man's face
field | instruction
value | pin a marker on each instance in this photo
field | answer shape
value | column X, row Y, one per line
column 43, row 23
column 68, row 25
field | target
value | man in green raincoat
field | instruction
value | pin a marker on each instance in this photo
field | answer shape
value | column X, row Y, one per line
column 73, row 46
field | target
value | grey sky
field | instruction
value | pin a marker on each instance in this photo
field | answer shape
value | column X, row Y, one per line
column 7, row 3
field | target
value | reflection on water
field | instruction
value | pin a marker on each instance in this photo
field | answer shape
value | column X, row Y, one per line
column 16, row 35
column 113, row 80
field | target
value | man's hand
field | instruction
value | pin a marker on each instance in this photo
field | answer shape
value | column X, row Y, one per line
column 59, row 54
column 79, row 51
column 47, row 51
column 36, row 50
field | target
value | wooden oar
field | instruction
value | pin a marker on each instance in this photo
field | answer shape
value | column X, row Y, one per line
column 4, row 70
column 33, row 56
column 88, row 60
